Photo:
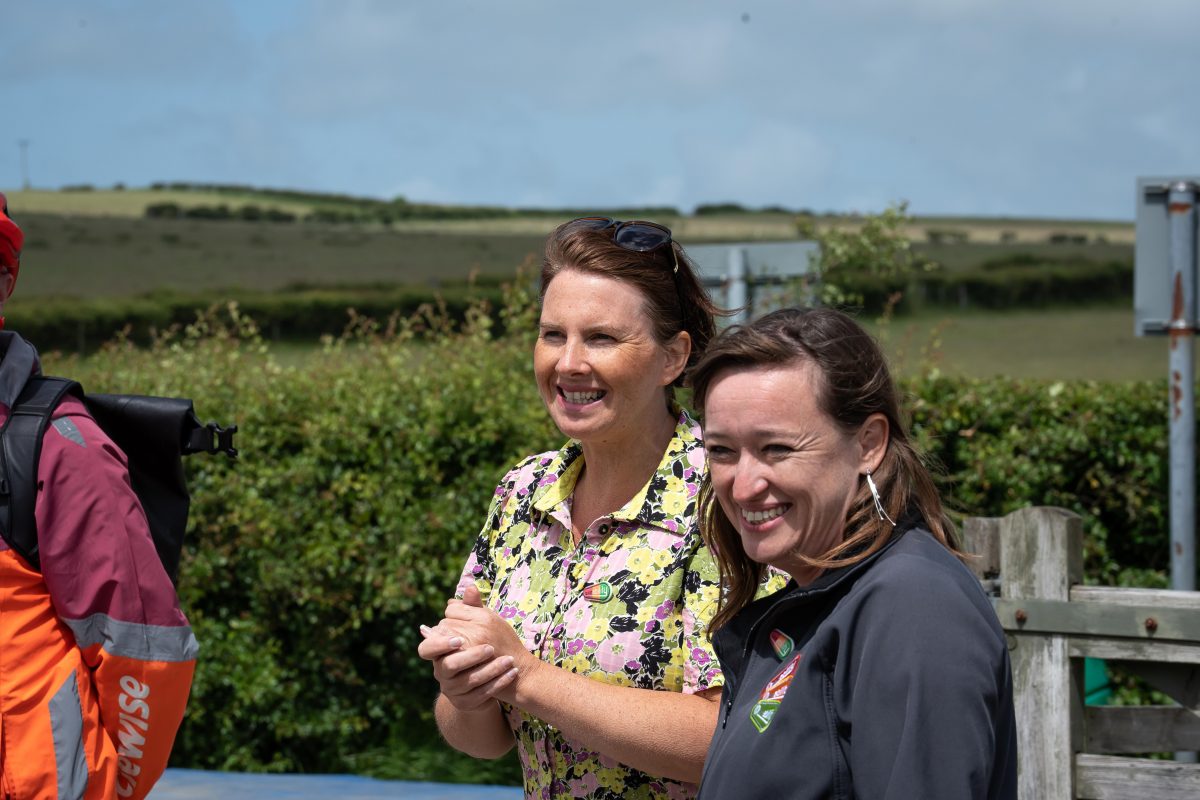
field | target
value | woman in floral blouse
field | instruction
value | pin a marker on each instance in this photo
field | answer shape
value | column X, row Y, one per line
column 581, row 632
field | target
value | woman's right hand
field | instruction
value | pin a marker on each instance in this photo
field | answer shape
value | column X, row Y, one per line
column 469, row 676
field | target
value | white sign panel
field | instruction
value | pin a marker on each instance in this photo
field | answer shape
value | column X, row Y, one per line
column 1152, row 257
column 750, row 277
column 762, row 259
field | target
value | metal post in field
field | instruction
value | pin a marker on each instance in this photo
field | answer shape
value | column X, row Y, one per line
column 24, row 143
column 739, row 296
column 1165, row 304
column 1181, row 208
column 1165, row 285
column 1181, row 211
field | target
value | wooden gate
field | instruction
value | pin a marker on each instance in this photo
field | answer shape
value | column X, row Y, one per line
column 1032, row 562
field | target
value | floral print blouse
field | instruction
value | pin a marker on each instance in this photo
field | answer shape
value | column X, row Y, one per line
column 629, row 605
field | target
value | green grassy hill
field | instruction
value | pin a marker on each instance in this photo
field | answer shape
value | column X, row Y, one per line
column 88, row 256
column 93, row 242
column 99, row 245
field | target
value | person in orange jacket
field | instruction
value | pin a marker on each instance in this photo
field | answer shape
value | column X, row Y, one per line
column 96, row 657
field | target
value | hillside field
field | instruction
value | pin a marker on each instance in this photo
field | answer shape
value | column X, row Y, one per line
column 99, row 243
column 83, row 256
column 765, row 224
column 1052, row 344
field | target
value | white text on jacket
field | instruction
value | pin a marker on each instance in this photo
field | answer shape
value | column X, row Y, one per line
column 134, row 721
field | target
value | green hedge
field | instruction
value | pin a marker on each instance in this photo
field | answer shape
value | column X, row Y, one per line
column 365, row 474
column 1099, row 449
column 302, row 313
column 1014, row 283
column 1035, row 285
column 312, row 560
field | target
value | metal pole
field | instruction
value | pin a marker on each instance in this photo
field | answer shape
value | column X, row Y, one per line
column 1181, row 208
column 739, row 295
column 24, row 163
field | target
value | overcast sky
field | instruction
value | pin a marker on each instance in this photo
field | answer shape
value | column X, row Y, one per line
column 993, row 107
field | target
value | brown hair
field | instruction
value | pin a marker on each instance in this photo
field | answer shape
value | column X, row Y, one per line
column 854, row 384
column 674, row 301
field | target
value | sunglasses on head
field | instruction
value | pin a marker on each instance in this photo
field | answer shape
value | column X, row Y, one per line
column 635, row 234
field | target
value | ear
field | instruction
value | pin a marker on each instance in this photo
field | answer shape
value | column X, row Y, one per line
column 872, row 440
column 678, row 350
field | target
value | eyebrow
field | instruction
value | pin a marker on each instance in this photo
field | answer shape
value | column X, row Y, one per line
column 788, row 435
column 761, row 433
column 611, row 327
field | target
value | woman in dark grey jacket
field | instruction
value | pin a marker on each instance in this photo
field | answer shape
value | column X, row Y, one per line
column 881, row 670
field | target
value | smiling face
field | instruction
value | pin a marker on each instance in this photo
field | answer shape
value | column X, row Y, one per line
column 599, row 369
column 783, row 471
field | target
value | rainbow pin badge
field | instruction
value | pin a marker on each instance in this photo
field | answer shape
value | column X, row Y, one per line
column 782, row 644
column 600, row 592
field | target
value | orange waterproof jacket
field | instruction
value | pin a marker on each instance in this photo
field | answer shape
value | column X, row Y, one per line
column 96, row 658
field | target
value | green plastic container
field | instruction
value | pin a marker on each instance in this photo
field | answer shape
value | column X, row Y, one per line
column 1096, row 687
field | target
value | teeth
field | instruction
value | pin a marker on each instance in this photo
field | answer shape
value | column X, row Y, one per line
column 582, row 397
column 758, row 517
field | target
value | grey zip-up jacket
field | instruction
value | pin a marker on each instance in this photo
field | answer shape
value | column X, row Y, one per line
column 888, row 679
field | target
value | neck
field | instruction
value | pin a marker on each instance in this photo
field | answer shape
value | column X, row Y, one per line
column 614, row 472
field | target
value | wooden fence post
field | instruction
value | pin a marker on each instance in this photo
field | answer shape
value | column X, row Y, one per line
column 1041, row 555
column 981, row 538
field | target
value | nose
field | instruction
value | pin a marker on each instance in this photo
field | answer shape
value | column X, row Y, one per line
column 749, row 481
column 572, row 359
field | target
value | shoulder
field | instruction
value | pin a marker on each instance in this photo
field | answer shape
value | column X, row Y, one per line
column 75, row 435
column 528, row 471
column 919, row 568
column 525, row 477
column 72, row 406
column 917, row 554
column 922, row 590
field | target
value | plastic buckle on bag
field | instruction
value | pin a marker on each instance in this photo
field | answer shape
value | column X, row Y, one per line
column 224, row 438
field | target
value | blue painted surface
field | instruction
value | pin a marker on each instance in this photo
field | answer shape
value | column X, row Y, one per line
column 191, row 784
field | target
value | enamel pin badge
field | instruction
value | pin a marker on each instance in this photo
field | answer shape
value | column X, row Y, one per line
column 782, row 644
column 600, row 592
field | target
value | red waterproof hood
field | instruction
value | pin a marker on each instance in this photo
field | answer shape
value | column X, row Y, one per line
column 11, row 239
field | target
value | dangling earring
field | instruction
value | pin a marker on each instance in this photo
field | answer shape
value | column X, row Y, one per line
column 878, row 505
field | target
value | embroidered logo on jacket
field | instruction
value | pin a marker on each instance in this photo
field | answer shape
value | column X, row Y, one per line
column 772, row 695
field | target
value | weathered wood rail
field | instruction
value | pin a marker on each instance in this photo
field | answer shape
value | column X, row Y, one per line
column 1032, row 561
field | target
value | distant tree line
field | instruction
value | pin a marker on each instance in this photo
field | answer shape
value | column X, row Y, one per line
column 713, row 209
column 333, row 207
column 247, row 213
column 342, row 208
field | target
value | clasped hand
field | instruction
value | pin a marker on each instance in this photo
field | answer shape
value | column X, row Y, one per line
column 476, row 655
